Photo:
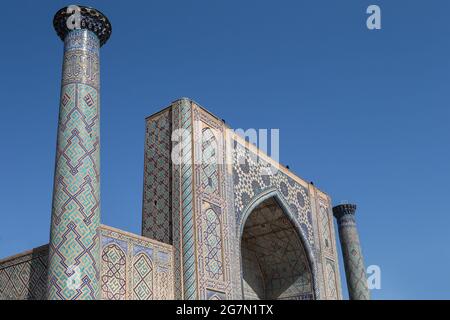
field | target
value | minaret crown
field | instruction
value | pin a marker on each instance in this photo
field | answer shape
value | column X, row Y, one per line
column 344, row 209
column 90, row 19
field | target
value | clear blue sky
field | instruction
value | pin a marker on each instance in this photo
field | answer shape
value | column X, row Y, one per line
column 364, row 114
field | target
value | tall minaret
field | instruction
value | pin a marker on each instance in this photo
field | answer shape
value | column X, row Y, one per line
column 74, row 249
column 355, row 271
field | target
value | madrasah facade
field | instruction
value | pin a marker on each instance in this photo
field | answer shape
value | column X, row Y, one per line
column 220, row 220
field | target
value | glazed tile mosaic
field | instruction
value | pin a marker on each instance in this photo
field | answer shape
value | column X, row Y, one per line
column 220, row 224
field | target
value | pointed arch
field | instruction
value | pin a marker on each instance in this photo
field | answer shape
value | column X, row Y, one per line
column 258, row 200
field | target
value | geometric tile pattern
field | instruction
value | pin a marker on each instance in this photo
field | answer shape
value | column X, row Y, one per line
column 168, row 208
column 207, row 203
column 330, row 281
column 275, row 265
column 132, row 268
column 135, row 267
column 351, row 249
column 252, row 176
column 114, row 269
column 255, row 176
column 74, row 244
column 209, row 175
column 324, row 219
column 164, row 282
column 193, row 200
column 327, row 249
column 213, row 242
column 157, row 215
column 176, row 213
column 143, row 277
column 187, row 204
column 168, row 189
column 213, row 224
column 197, row 211
column 24, row 276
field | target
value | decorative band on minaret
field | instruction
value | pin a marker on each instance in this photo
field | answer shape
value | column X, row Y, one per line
column 355, row 271
column 74, row 249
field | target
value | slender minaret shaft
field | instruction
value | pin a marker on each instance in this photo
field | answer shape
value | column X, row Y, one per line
column 74, row 249
column 355, row 271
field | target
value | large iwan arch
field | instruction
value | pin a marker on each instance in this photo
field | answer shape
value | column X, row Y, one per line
column 275, row 261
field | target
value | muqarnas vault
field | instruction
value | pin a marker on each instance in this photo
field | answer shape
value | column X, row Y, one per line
column 224, row 227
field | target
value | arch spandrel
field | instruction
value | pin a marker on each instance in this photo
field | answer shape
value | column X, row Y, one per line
column 256, row 180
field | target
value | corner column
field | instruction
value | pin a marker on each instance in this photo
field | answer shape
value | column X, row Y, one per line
column 355, row 271
column 74, row 249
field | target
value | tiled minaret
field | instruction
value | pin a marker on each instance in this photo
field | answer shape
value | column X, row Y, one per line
column 355, row 271
column 74, row 249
